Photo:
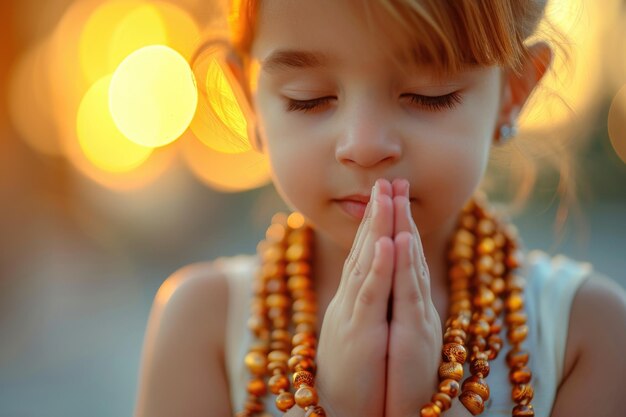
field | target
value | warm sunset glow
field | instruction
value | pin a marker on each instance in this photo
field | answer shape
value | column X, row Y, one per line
column 617, row 123
column 99, row 138
column 153, row 96
column 29, row 99
column 219, row 122
column 226, row 172
column 154, row 23
column 96, row 40
column 576, row 87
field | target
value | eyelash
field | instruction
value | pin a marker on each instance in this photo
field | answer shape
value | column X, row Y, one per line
column 429, row 103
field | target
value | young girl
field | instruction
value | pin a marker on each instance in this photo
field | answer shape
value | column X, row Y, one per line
column 378, row 118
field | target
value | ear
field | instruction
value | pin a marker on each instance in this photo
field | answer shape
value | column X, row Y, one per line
column 517, row 86
column 236, row 75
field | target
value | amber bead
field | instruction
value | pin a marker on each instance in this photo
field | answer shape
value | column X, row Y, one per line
column 301, row 363
column 485, row 227
column 281, row 335
column 460, row 305
column 441, row 400
column 480, row 328
column 305, row 327
column 468, row 221
column 515, row 283
column 278, row 383
column 484, row 263
column 430, row 410
column 261, row 346
column 278, row 356
column 483, row 279
column 473, row 402
column 256, row 363
column 274, row 367
column 497, row 285
column 304, row 306
column 254, row 405
column 460, row 251
column 315, row 411
column 460, row 295
column 522, row 393
column 256, row 386
column 280, row 322
column 456, row 332
column 301, row 317
column 280, row 345
column 480, row 366
column 452, row 370
column 303, row 294
column 498, row 269
column 516, row 318
column 276, row 285
column 306, row 396
column 477, row 385
column 496, row 327
column 522, row 410
column 298, row 268
column 273, row 270
column 497, row 305
column 464, row 236
column 299, row 282
column 303, row 378
column 520, row 375
column 284, row 401
column 517, row 334
column 450, row 387
column 257, row 324
column 478, row 343
column 304, row 339
column 517, row 358
column 486, row 246
column 454, row 339
column 453, row 352
column 302, row 350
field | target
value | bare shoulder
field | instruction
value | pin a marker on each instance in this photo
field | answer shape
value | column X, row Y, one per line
column 595, row 365
column 182, row 367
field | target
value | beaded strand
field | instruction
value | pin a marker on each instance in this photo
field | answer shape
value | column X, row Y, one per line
column 483, row 256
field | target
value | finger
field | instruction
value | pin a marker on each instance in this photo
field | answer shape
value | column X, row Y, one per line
column 362, row 258
column 408, row 299
column 352, row 255
column 400, row 187
column 373, row 296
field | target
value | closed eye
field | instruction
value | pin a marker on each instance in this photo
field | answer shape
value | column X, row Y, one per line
column 435, row 103
column 307, row 105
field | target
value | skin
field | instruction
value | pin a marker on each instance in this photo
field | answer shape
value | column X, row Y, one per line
column 425, row 163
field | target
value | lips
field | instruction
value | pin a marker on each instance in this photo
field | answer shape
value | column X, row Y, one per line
column 354, row 205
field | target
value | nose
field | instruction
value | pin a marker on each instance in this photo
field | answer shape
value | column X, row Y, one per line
column 367, row 139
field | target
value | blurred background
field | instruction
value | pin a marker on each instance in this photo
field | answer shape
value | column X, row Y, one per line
column 99, row 204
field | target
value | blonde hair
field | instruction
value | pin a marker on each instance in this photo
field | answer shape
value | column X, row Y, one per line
column 451, row 34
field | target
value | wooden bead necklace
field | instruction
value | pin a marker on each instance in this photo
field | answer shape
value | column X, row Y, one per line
column 483, row 256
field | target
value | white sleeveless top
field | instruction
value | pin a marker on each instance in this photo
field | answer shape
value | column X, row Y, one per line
column 551, row 286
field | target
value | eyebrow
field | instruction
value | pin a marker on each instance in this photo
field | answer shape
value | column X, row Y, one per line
column 290, row 59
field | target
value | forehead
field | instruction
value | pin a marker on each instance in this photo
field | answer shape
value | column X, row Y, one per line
column 324, row 33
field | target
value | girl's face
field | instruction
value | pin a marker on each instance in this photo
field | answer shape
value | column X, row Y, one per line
column 335, row 113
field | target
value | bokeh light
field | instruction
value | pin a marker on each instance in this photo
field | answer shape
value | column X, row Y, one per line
column 154, row 23
column 223, row 171
column 96, row 40
column 617, row 123
column 99, row 138
column 153, row 96
column 574, row 88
